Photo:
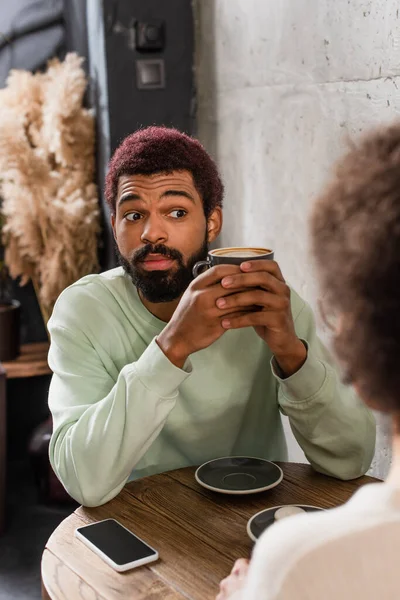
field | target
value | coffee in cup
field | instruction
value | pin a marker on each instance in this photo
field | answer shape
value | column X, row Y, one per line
column 232, row 256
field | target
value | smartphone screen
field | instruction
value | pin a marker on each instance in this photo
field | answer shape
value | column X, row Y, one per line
column 116, row 542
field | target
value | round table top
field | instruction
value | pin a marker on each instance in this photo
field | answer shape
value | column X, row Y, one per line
column 198, row 534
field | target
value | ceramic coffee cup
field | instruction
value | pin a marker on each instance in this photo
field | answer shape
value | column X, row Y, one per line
column 232, row 256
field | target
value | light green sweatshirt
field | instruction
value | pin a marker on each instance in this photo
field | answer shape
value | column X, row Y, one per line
column 121, row 410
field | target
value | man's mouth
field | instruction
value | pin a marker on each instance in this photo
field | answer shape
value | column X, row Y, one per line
column 157, row 262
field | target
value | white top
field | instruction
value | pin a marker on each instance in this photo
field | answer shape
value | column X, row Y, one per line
column 347, row 553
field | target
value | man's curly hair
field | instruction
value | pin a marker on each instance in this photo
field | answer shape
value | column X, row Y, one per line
column 355, row 232
column 163, row 150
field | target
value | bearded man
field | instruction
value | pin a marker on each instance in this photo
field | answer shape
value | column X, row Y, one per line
column 154, row 370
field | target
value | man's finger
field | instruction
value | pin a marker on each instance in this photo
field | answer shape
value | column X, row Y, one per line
column 249, row 319
column 253, row 297
column 271, row 266
column 214, row 275
column 262, row 279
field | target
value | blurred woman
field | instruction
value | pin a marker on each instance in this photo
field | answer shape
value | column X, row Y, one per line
column 352, row 551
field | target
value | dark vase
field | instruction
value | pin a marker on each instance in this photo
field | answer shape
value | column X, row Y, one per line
column 10, row 312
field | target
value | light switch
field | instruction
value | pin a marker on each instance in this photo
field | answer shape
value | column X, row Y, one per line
column 150, row 74
column 150, row 35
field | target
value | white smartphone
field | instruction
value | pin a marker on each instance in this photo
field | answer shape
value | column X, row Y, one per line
column 116, row 545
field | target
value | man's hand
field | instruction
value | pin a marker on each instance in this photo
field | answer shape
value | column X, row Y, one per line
column 273, row 321
column 231, row 586
column 196, row 322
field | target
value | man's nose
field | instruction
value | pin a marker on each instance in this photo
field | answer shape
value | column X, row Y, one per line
column 154, row 231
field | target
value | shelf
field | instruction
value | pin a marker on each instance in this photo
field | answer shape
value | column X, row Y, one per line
column 30, row 363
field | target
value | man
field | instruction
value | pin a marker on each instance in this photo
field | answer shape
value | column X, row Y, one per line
column 154, row 371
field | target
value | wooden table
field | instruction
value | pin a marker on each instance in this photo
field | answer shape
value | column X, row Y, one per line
column 31, row 362
column 198, row 534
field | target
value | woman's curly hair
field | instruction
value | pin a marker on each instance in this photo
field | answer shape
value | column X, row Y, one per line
column 355, row 235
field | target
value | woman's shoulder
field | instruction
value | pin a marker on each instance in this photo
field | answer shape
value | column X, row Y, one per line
column 287, row 542
column 369, row 505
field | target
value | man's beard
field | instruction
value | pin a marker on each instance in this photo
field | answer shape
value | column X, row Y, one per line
column 161, row 286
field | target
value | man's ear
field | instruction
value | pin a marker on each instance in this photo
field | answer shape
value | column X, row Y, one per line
column 113, row 225
column 214, row 224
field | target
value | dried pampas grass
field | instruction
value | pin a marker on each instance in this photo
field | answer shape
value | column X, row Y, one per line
column 46, row 178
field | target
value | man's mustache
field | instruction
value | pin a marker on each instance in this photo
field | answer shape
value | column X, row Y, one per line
column 141, row 254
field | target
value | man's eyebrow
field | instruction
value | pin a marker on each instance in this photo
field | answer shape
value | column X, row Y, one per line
column 178, row 193
column 127, row 197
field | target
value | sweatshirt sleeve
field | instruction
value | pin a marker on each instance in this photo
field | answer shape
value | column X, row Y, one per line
column 335, row 430
column 103, row 425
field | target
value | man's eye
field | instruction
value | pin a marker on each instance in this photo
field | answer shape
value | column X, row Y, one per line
column 133, row 216
column 178, row 213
